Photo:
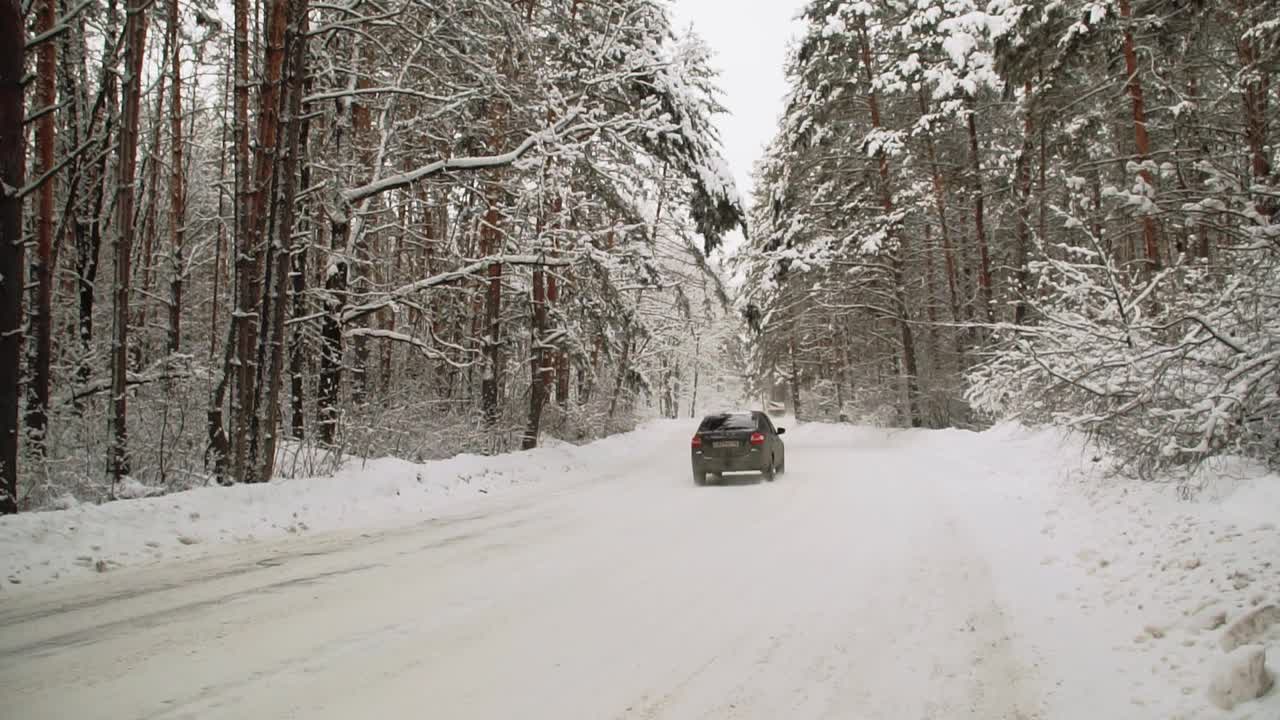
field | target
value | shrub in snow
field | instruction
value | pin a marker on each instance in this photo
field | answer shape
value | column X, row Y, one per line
column 1170, row 367
column 1240, row 677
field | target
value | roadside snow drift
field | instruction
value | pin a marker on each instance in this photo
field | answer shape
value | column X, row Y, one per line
column 38, row 548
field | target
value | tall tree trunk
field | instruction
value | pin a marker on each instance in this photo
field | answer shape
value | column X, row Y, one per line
column 13, row 160
column 298, row 345
column 246, row 267
column 71, row 80
column 623, row 366
column 1256, row 81
column 979, row 219
column 263, row 211
column 89, row 250
column 219, row 444
column 386, row 362
column 135, row 48
column 898, row 255
column 697, row 366
column 793, row 378
column 1150, row 234
column 220, row 238
column 148, row 226
column 538, row 370
column 1022, row 242
column 490, row 386
column 42, row 268
column 944, row 230
column 330, row 385
column 934, row 349
column 177, row 187
column 298, row 348
column 560, row 357
column 295, row 51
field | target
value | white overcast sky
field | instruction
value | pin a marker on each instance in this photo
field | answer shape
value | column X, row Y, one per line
column 750, row 41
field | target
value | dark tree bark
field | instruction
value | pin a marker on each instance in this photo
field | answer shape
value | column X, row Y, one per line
column 135, row 48
column 793, row 378
column 948, row 254
column 13, row 154
column 979, row 221
column 1022, row 242
column 177, row 184
column 934, row 346
column 560, row 358
column 295, row 51
column 298, row 348
column 87, row 226
column 298, row 343
column 264, row 213
column 220, row 240
column 538, row 369
column 89, row 233
column 219, row 444
column 42, row 269
column 70, row 81
column 150, row 207
column 330, row 386
column 1256, row 80
column 1142, row 141
column 490, row 384
column 246, row 265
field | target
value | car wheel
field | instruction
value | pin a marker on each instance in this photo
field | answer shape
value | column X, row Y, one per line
column 699, row 478
column 768, row 472
column 782, row 466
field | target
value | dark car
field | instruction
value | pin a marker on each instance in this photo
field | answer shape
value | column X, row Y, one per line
column 737, row 442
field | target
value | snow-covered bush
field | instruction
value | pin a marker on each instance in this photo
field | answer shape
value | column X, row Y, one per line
column 1169, row 367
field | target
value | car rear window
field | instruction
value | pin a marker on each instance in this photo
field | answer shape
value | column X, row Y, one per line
column 728, row 421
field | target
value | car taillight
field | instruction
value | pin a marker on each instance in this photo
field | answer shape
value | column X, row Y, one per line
column 757, row 438
column 697, row 442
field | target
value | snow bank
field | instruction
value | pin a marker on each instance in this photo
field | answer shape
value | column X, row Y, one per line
column 1140, row 599
column 1134, row 592
column 43, row 547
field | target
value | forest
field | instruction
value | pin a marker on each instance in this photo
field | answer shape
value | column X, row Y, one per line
column 1061, row 212
column 244, row 240
column 247, row 240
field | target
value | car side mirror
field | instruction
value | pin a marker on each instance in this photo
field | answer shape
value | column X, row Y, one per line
column 782, row 431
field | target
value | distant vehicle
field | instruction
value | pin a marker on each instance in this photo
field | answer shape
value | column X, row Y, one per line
column 737, row 442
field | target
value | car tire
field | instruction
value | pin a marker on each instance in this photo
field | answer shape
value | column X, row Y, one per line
column 699, row 478
column 782, row 466
column 768, row 473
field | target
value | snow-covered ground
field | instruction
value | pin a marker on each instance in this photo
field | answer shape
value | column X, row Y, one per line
column 888, row 574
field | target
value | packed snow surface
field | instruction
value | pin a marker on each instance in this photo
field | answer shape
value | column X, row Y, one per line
column 887, row 574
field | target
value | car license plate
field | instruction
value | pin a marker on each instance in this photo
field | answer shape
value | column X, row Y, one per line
column 725, row 444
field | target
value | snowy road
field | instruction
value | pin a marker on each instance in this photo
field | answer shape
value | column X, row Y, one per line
column 848, row 589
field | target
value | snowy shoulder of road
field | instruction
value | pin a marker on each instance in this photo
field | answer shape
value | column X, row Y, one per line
column 1093, row 596
column 1130, row 591
column 46, row 547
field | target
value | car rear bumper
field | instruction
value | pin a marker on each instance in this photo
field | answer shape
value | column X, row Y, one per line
column 752, row 461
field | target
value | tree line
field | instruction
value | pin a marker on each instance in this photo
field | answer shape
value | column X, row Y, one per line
column 1059, row 212
column 281, row 232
